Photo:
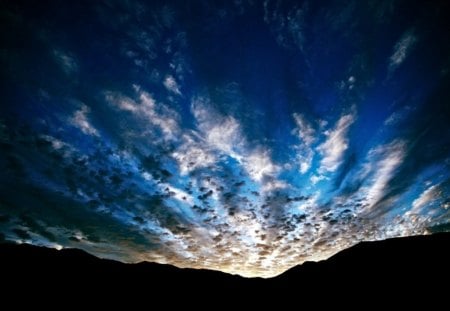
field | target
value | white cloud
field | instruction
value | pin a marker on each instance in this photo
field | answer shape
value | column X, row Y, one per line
column 398, row 116
column 157, row 114
column 80, row 120
column 384, row 161
column 304, row 130
column 305, row 133
column 179, row 194
column 217, row 135
column 316, row 178
column 224, row 134
column 274, row 184
column 56, row 143
column 335, row 144
column 392, row 119
column 221, row 133
column 64, row 148
column 171, row 85
column 165, row 119
column 68, row 63
column 192, row 154
column 259, row 164
column 428, row 196
column 402, row 49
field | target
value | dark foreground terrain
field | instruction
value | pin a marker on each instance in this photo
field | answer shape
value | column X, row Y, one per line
column 410, row 268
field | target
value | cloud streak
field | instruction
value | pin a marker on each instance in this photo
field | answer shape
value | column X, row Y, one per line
column 306, row 135
column 431, row 194
column 402, row 49
column 80, row 120
column 147, row 110
column 335, row 144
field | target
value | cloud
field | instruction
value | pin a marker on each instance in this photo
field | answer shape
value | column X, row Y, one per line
column 316, row 178
column 223, row 133
column 383, row 162
column 225, row 136
column 80, row 120
column 171, row 85
column 147, row 109
column 178, row 194
column 335, row 145
column 192, row 154
column 305, row 132
column 220, row 132
column 428, row 196
column 401, row 49
column 208, row 190
column 67, row 62
column 273, row 184
column 288, row 27
column 259, row 165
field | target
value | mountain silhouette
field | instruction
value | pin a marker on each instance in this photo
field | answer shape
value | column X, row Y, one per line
column 415, row 264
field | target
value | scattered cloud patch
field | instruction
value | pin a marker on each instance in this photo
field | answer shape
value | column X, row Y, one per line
column 171, row 85
column 81, row 121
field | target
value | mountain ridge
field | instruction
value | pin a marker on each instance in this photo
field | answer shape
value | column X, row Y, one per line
column 395, row 263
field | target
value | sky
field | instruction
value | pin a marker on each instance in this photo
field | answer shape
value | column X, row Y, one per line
column 240, row 136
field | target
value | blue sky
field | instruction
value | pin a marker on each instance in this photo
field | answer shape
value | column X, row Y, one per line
column 244, row 136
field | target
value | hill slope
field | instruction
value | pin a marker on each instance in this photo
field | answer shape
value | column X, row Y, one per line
column 413, row 264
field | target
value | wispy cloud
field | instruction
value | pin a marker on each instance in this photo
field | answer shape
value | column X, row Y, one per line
column 383, row 163
column 67, row 62
column 305, row 133
column 219, row 132
column 225, row 135
column 428, row 196
column 171, row 85
column 401, row 49
column 147, row 109
column 335, row 145
column 81, row 121
column 192, row 154
column 316, row 178
column 259, row 164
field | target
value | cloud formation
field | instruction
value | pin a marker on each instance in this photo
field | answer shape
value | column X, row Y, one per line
column 306, row 135
column 80, row 120
column 428, row 196
column 335, row 144
column 401, row 49
column 250, row 139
